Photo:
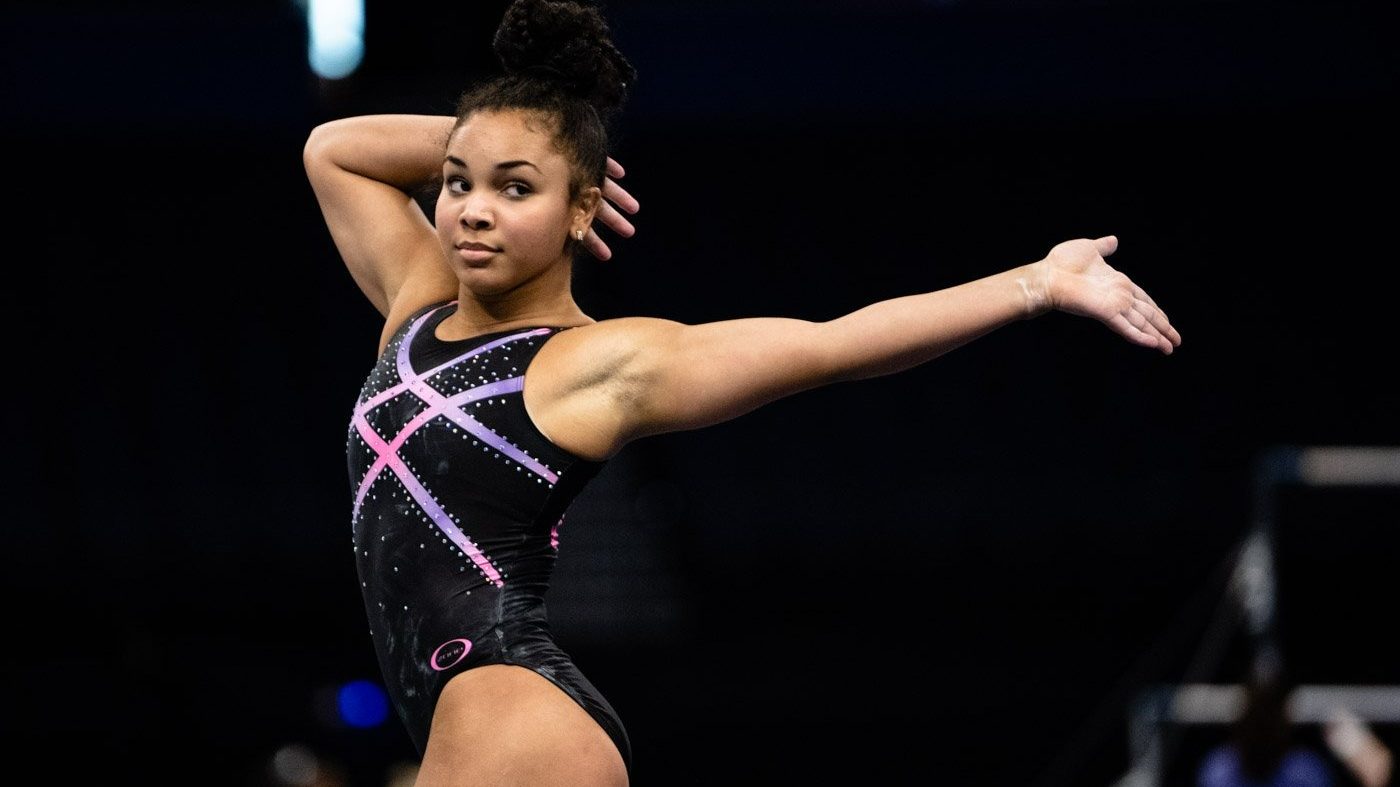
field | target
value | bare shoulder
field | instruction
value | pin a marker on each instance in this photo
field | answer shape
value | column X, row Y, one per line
column 616, row 339
column 599, row 354
column 578, row 387
column 611, row 382
column 434, row 283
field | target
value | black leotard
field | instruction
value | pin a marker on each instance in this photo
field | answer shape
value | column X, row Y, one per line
column 458, row 499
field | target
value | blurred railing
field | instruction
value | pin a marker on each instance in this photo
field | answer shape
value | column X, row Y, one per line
column 1344, row 710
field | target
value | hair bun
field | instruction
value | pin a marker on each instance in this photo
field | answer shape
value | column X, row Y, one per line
column 566, row 43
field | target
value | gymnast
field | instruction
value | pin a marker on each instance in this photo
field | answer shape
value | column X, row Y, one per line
column 461, row 471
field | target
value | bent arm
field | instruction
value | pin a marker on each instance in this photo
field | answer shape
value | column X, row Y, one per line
column 364, row 171
column 404, row 151
column 683, row 377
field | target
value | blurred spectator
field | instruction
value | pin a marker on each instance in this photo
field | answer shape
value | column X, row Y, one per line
column 402, row 774
column 298, row 765
column 1261, row 751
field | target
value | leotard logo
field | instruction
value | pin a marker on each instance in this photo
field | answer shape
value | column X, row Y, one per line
column 449, row 653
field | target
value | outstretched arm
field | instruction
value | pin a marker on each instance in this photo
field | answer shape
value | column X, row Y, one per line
column 687, row 376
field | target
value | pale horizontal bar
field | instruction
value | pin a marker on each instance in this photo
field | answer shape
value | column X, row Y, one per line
column 1199, row 703
column 1349, row 465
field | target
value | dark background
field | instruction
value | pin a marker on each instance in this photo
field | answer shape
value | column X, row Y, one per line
column 962, row 573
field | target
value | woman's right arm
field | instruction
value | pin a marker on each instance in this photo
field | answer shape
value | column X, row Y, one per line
column 364, row 170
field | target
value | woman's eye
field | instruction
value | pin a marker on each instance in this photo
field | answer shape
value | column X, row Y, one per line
column 453, row 180
column 525, row 188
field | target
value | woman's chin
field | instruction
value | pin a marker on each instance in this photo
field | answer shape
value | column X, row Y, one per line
column 498, row 275
column 481, row 282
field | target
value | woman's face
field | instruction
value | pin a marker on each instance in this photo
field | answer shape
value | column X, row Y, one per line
column 506, row 187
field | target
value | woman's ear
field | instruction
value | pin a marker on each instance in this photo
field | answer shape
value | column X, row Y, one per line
column 587, row 207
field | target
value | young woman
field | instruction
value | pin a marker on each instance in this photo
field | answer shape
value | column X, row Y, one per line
column 495, row 398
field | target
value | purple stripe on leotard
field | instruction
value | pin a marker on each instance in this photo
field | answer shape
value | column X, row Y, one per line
column 449, row 407
column 401, row 386
column 418, row 384
column 491, row 438
column 390, row 458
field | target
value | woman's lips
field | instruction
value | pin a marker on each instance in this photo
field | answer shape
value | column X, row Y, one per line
column 476, row 254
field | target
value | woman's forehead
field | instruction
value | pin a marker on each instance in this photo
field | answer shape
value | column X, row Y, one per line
column 500, row 136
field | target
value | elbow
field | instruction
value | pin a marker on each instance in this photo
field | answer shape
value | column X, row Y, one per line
column 318, row 144
column 848, row 356
column 311, row 152
column 837, row 363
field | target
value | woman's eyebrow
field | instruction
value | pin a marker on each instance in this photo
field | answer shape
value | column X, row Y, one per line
column 500, row 166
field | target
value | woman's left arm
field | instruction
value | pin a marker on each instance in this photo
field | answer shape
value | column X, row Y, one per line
column 677, row 377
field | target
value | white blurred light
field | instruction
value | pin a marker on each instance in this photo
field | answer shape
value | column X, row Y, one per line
column 295, row 764
column 337, row 29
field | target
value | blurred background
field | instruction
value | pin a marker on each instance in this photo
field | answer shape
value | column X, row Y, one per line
column 980, row 571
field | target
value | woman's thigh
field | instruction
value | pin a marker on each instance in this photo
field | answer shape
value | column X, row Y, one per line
column 500, row 724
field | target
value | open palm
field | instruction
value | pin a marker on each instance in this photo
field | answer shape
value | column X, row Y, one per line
column 1080, row 281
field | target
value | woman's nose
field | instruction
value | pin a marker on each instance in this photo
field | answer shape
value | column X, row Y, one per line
column 475, row 214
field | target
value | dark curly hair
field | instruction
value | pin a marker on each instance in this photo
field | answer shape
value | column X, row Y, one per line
column 560, row 63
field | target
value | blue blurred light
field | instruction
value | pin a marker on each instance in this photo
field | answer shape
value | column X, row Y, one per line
column 362, row 703
column 337, row 30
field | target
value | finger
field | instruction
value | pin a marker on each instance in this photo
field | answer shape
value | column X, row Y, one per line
column 614, row 221
column 615, row 169
column 615, row 193
column 1106, row 245
column 1157, row 319
column 1143, row 323
column 1142, row 294
column 596, row 246
column 1164, row 323
column 1164, row 341
column 1140, row 321
column 1120, row 324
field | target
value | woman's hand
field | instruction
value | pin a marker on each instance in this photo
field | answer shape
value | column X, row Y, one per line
column 1074, row 278
column 609, row 215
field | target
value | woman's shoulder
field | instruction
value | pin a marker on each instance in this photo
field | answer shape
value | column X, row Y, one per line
column 633, row 331
column 605, row 349
column 579, row 381
column 416, row 311
column 405, row 310
column 586, row 355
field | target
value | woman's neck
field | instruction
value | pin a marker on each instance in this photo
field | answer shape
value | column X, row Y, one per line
column 516, row 309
